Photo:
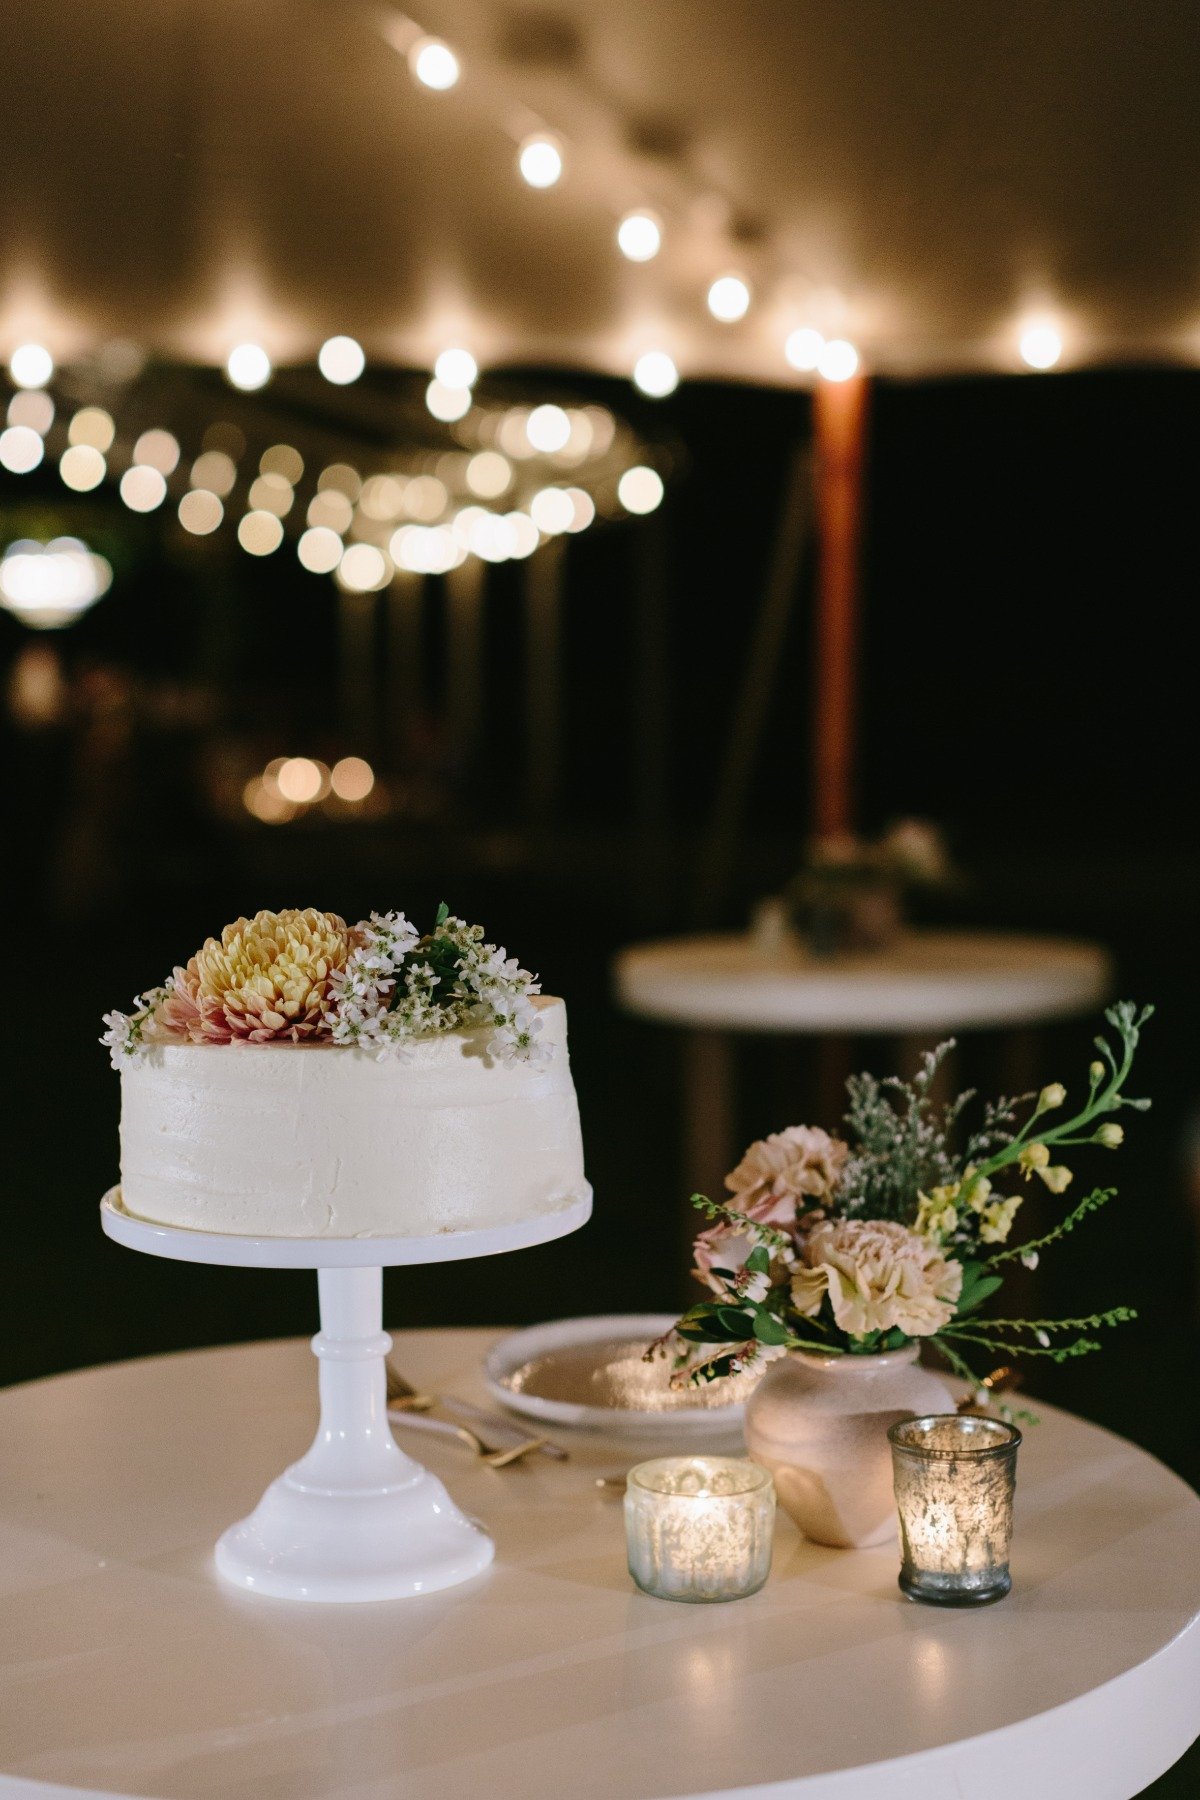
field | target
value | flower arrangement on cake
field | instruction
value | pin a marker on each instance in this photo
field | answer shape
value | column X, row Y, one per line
column 856, row 1245
column 306, row 977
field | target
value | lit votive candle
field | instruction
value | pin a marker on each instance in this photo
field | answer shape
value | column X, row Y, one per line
column 699, row 1527
column 954, row 1477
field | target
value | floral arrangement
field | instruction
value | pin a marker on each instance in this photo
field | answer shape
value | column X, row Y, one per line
column 849, row 893
column 306, row 977
column 854, row 1245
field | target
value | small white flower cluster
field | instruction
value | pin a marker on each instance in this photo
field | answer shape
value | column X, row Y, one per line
column 126, row 1032
column 478, row 984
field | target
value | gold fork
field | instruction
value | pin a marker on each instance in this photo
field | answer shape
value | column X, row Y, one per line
column 401, row 1397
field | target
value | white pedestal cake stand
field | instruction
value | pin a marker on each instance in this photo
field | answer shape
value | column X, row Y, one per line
column 355, row 1518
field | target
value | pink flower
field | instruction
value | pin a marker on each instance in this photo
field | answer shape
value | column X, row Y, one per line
column 787, row 1173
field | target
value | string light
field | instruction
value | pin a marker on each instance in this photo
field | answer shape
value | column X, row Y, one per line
column 552, row 510
column 31, row 366
column 92, row 426
column 213, row 469
column 342, row 478
column 838, row 360
column 489, row 474
column 352, row 779
column 426, row 498
column 200, row 512
column 282, row 459
column 583, row 509
column 143, row 488
column 49, row 585
column 363, row 569
column 159, row 449
column 803, row 349
column 300, row 780
column 82, row 468
column 525, row 534
column 548, row 429
column 320, row 550
column 639, row 236
column 446, row 403
column 341, row 360
column 655, row 374
column 259, row 533
column 1040, row 346
column 382, row 497
column 456, row 368
column 248, row 367
column 640, row 490
column 729, row 299
column 540, row 160
column 21, row 449
column 32, row 407
column 434, row 64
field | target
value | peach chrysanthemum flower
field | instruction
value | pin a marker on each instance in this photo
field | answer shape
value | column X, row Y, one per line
column 265, row 978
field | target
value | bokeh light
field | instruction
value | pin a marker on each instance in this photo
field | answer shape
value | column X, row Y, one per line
column 259, row 533
column 639, row 236
column 838, row 360
column 248, row 367
column 640, row 490
column 82, row 468
column 158, row 450
column 540, row 160
column 434, row 64
column 320, row 550
column 200, row 512
column 352, row 778
column 729, row 298
column 803, row 348
column 21, row 449
column 143, row 488
column 341, row 360
column 31, row 366
column 655, row 374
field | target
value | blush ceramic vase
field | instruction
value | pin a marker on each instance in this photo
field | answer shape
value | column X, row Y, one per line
column 820, row 1424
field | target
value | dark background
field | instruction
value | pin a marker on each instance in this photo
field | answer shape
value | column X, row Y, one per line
column 1030, row 570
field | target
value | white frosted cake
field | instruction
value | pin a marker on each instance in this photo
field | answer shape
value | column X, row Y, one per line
column 254, row 1109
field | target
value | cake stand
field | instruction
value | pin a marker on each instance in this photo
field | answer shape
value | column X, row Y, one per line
column 355, row 1518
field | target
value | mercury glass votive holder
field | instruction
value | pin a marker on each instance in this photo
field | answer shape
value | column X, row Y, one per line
column 699, row 1527
column 954, row 1476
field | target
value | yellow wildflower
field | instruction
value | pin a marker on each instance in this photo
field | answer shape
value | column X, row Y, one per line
column 1110, row 1136
column 1033, row 1156
column 937, row 1214
column 1057, row 1178
column 1051, row 1096
column 996, row 1219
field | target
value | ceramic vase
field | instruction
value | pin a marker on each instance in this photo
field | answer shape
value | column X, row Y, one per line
column 820, row 1424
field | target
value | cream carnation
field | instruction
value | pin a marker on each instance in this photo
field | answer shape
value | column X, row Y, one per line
column 266, row 978
column 787, row 1172
column 879, row 1277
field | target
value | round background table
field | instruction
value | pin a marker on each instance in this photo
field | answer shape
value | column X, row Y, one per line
column 129, row 1669
column 928, row 981
column 926, row 985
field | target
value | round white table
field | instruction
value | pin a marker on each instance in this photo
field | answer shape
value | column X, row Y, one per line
column 927, row 985
column 127, row 1668
column 928, row 981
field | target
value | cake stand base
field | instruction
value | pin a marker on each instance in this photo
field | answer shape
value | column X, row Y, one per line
column 355, row 1519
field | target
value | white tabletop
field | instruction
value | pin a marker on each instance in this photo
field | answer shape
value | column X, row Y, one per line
column 928, row 981
column 126, row 1668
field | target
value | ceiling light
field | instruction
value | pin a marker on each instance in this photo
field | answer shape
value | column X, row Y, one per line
column 838, row 361
column 729, row 299
column 248, row 366
column 540, row 160
column 640, row 490
column 639, row 236
column 341, row 360
column 31, row 366
column 456, row 369
column 1040, row 346
column 803, row 349
column 655, row 374
column 434, row 64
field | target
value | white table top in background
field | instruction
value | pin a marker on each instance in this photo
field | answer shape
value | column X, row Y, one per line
column 127, row 1669
column 928, row 981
